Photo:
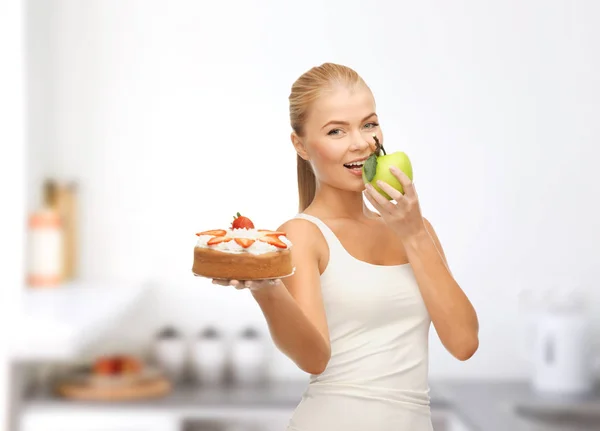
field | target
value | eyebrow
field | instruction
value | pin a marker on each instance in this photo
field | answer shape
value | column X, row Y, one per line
column 345, row 123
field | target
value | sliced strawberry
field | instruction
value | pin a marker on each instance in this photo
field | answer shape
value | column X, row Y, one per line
column 216, row 232
column 273, row 240
column 244, row 242
column 241, row 222
column 218, row 240
column 272, row 232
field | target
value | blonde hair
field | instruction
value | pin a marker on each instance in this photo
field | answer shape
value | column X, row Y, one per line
column 308, row 88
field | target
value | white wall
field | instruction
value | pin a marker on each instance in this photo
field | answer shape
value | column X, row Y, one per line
column 12, row 181
column 168, row 112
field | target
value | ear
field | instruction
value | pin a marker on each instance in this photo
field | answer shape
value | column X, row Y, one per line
column 299, row 146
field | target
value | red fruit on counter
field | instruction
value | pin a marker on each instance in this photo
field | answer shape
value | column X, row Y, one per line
column 105, row 366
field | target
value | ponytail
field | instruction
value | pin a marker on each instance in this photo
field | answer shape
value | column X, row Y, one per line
column 307, row 183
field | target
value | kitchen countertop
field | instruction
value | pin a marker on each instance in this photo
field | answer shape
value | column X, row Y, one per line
column 492, row 406
column 270, row 395
column 189, row 395
column 481, row 405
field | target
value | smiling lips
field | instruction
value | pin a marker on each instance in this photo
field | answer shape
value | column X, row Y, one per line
column 355, row 167
column 356, row 163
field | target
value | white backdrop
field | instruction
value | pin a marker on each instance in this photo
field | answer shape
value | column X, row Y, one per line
column 173, row 116
column 12, row 181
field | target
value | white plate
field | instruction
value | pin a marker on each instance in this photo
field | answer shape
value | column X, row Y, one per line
column 253, row 279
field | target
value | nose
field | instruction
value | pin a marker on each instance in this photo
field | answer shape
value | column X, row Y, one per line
column 359, row 143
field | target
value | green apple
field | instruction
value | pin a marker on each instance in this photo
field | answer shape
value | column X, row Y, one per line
column 381, row 167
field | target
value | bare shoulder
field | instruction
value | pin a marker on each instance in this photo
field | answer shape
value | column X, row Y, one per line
column 299, row 227
column 306, row 239
column 301, row 223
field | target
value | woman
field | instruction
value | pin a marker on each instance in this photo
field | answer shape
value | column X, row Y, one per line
column 356, row 313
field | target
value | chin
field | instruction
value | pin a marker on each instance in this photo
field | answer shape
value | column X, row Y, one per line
column 360, row 186
column 345, row 182
column 356, row 186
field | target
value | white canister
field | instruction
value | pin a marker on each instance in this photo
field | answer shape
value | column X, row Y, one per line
column 249, row 357
column 170, row 352
column 209, row 357
column 562, row 357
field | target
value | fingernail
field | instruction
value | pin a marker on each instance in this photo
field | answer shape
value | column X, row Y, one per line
column 394, row 169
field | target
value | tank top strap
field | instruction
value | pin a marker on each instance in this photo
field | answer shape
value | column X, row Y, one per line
column 332, row 240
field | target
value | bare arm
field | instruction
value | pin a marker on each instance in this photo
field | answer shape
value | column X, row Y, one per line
column 294, row 308
column 451, row 312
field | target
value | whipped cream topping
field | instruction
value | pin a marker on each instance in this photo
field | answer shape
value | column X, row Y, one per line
column 258, row 247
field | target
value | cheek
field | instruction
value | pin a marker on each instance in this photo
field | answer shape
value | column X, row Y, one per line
column 327, row 154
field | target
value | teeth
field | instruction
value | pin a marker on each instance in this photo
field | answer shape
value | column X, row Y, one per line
column 354, row 165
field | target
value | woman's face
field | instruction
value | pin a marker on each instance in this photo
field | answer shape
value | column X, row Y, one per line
column 338, row 131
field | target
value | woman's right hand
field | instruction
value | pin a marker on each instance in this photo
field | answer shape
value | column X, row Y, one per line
column 247, row 284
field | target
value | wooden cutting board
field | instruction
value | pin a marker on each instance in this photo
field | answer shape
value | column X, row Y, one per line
column 151, row 388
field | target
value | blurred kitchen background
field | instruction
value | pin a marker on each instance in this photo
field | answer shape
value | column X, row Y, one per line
column 128, row 126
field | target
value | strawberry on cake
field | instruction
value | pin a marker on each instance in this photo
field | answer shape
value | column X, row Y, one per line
column 242, row 252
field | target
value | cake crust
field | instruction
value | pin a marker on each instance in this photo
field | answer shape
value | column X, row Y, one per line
column 241, row 266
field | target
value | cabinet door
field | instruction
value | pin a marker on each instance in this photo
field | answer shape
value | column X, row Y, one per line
column 66, row 420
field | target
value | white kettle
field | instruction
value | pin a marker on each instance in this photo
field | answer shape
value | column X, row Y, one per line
column 560, row 345
column 562, row 357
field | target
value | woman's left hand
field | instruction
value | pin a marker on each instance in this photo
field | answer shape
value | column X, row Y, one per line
column 404, row 217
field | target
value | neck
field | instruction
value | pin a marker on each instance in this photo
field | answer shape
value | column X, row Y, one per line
column 340, row 203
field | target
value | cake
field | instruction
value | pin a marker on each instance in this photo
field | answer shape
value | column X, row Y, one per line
column 242, row 252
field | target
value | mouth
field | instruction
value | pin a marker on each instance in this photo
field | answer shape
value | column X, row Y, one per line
column 355, row 168
column 356, row 164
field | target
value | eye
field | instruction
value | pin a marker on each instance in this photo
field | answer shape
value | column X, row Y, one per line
column 334, row 132
column 371, row 125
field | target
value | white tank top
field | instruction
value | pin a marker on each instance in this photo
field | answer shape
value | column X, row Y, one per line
column 377, row 377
